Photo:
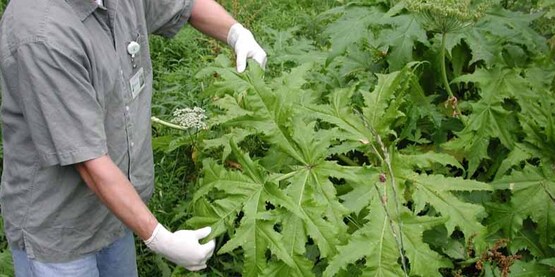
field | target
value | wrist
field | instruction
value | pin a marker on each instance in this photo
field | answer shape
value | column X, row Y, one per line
column 154, row 234
column 146, row 227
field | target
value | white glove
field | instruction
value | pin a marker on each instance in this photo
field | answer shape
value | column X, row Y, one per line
column 245, row 46
column 182, row 247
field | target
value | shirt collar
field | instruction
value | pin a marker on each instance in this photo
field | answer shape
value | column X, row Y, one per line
column 83, row 8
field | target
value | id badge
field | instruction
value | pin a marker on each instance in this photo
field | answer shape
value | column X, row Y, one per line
column 137, row 82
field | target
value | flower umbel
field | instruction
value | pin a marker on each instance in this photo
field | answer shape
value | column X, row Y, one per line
column 190, row 118
column 446, row 16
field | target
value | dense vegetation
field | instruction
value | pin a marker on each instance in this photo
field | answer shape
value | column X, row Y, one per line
column 385, row 138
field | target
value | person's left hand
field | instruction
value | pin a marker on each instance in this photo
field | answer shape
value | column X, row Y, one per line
column 245, row 46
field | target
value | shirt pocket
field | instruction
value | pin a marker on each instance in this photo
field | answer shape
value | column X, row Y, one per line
column 138, row 56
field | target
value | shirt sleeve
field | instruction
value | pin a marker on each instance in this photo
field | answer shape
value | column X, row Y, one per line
column 166, row 17
column 59, row 104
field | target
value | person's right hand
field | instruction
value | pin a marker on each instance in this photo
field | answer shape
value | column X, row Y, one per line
column 245, row 46
column 182, row 247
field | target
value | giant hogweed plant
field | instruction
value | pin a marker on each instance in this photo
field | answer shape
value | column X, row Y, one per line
column 361, row 170
column 300, row 205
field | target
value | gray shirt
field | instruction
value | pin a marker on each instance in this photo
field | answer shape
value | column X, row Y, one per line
column 71, row 92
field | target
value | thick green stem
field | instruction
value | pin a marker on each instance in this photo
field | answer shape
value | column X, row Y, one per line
column 443, row 67
column 452, row 99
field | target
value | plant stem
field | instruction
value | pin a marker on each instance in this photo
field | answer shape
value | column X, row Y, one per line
column 386, row 159
column 383, row 201
column 443, row 67
column 167, row 124
column 444, row 75
column 347, row 160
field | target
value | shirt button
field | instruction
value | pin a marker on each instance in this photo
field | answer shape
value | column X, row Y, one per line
column 127, row 108
column 132, row 144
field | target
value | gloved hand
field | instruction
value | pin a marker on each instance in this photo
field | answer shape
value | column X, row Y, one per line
column 245, row 46
column 182, row 247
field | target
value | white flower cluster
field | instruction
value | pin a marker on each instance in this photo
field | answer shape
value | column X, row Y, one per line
column 190, row 118
column 448, row 15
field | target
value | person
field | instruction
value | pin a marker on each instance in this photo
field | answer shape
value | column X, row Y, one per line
column 78, row 164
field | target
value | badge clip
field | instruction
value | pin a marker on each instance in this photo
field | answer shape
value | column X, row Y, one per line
column 133, row 48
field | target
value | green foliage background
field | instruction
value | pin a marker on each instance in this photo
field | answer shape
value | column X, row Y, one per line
column 346, row 156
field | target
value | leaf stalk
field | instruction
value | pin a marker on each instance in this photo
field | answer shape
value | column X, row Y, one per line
column 167, row 124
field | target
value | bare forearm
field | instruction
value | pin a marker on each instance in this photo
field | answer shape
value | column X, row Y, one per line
column 107, row 181
column 211, row 19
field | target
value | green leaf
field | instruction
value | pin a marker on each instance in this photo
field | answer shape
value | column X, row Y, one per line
column 515, row 157
column 363, row 191
column 428, row 160
column 533, row 190
column 540, row 130
column 232, row 106
column 483, row 48
column 492, row 120
column 549, row 262
column 474, row 145
column 352, row 27
column 229, row 81
column 420, row 107
column 291, row 85
column 384, row 99
column 339, row 113
column 287, row 47
column 221, row 212
column 237, row 134
column 498, row 28
column 530, row 269
column 504, row 218
column 263, row 112
column 379, row 248
column 256, row 232
column 380, row 111
column 305, row 189
column 423, row 261
column 527, row 239
column 489, row 119
column 302, row 267
column 381, row 251
column 497, row 83
column 405, row 32
column 436, row 190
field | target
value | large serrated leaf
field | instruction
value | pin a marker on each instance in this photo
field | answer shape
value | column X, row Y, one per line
column 406, row 32
column 352, row 27
column 533, row 196
column 436, row 190
column 374, row 242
